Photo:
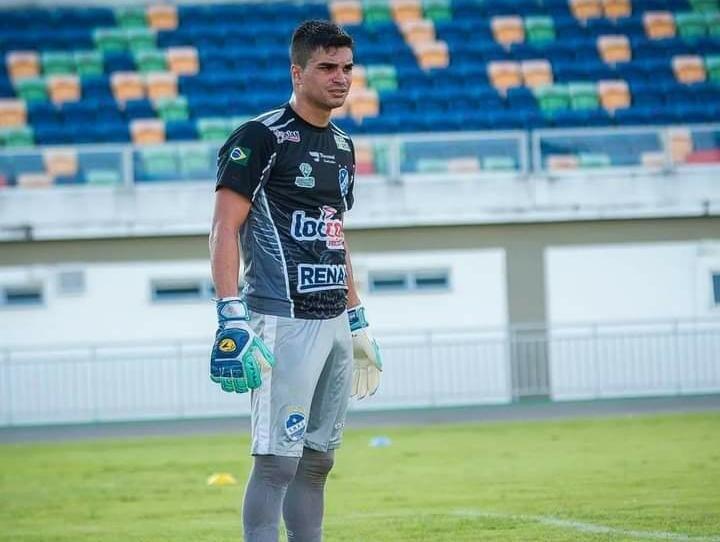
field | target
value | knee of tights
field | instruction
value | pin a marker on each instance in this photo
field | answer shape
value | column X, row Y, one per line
column 276, row 470
column 317, row 465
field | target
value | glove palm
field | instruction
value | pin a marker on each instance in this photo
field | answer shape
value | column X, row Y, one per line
column 366, row 356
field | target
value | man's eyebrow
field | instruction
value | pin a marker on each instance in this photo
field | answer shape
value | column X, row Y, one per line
column 333, row 64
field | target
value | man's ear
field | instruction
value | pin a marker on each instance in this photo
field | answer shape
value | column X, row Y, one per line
column 296, row 74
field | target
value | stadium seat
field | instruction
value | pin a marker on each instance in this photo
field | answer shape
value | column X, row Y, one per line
column 34, row 180
column 593, row 160
column 508, row 30
column 147, row 131
column 162, row 16
column 197, row 163
column 130, row 17
column 690, row 25
column 406, row 10
column 161, row 85
column 562, row 162
column 172, row 109
column 552, row 98
column 712, row 65
column 613, row 95
column 183, row 60
column 420, row 31
column 102, row 177
column 57, row 63
column 17, row 136
column 363, row 102
column 139, row 39
column 22, row 64
column 364, row 158
column 586, row 9
column 346, row 12
column 504, row 75
column 539, row 29
column 127, row 86
column 689, row 69
column 498, row 163
column 614, row 49
column 13, row 112
column 705, row 6
column 214, row 129
column 712, row 23
column 31, row 89
column 359, row 76
column 158, row 163
column 64, row 88
column 617, row 9
column 437, row 10
column 89, row 63
column 680, row 144
column 110, row 39
column 659, row 24
column 60, row 162
column 583, row 96
column 382, row 77
column 536, row 73
column 150, row 60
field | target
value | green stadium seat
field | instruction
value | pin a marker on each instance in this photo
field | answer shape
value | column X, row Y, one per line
column 583, row 96
column 57, row 63
column 690, row 25
column 103, row 177
column 110, row 39
column 140, row 39
column 172, row 108
column 32, row 89
column 712, row 22
column 89, row 63
column 552, row 98
column 712, row 64
column 539, row 29
column 211, row 129
column 705, row 6
column 197, row 163
column 432, row 165
column 150, row 60
column 382, row 77
column 498, row 163
column 131, row 17
column 159, row 162
column 376, row 11
column 17, row 136
column 437, row 10
column 593, row 160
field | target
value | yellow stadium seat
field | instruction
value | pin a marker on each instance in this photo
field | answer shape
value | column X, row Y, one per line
column 64, row 88
column 586, row 9
column 614, row 95
column 162, row 16
column 508, row 30
column 432, row 54
column 363, row 102
column 183, row 60
column 504, row 75
column 37, row 179
column 681, row 144
column 346, row 12
column 659, row 24
column 147, row 131
column 12, row 112
column 536, row 73
column 689, row 68
column 60, row 162
column 127, row 86
column 560, row 162
column 162, row 85
column 406, row 10
column 416, row 32
column 22, row 64
column 617, row 9
column 615, row 48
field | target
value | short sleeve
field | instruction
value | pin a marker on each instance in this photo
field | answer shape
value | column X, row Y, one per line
column 350, row 196
column 244, row 158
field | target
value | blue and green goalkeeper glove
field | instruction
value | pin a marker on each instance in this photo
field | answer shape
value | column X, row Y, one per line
column 239, row 357
column 366, row 355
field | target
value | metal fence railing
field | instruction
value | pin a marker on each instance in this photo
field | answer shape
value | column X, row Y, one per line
column 97, row 383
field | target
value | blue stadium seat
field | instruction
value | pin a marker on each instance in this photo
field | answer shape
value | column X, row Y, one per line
column 180, row 130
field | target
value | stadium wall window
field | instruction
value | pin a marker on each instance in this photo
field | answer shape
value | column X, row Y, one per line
column 71, row 282
column 393, row 282
column 181, row 290
column 25, row 295
column 716, row 288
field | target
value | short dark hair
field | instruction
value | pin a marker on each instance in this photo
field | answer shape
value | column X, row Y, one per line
column 311, row 35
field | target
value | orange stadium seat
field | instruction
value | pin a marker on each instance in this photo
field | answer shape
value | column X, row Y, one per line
column 465, row 164
column 183, row 60
column 364, row 159
column 560, row 162
column 617, row 9
column 346, row 11
column 504, row 75
column 127, row 86
column 147, row 131
column 659, row 24
column 689, row 68
column 680, row 143
column 615, row 48
column 359, row 76
column 162, row 16
column 414, row 32
column 60, row 162
column 64, row 88
column 536, row 73
column 13, row 112
column 162, row 85
column 653, row 159
column 614, row 95
column 22, row 64
column 508, row 29
column 364, row 102
column 406, row 10
column 586, row 9
column 432, row 54
column 36, row 179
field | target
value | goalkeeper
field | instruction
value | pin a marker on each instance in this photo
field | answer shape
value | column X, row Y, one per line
column 297, row 338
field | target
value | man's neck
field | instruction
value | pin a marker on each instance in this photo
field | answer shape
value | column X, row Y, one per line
column 312, row 115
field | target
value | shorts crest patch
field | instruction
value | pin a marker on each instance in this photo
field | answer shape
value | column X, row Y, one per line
column 295, row 425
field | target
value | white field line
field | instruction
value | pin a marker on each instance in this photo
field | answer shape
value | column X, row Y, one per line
column 580, row 526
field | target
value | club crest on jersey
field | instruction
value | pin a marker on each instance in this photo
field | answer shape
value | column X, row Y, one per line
column 288, row 135
column 325, row 228
column 306, row 181
column 344, row 180
column 341, row 143
column 295, row 426
column 318, row 277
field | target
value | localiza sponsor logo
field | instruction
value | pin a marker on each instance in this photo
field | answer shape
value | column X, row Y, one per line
column 325, row 228
column 316, row 277
column 287, row 135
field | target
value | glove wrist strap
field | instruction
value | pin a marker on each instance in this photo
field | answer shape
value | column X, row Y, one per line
column 356, row 315
column 231, row 309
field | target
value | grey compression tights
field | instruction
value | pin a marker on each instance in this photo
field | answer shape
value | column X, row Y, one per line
column 295, row 486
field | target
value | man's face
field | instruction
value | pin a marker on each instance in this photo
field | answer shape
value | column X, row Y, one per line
column 326, row 79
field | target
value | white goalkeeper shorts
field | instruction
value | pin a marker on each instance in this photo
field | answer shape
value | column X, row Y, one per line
column 303, row 400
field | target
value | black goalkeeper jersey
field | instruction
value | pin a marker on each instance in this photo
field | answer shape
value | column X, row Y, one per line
column 299, row 178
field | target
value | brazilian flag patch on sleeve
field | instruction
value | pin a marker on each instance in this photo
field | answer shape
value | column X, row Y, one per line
column 240, row 155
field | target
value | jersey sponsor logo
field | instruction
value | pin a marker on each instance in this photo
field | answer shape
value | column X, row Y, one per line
column 295, row 425
column 306, row 181
column 287, row 135
column 317, row 277
column 240, row 155
column 320, row 157
column 227, row 345
column 325, row 228
column 341, row 143
column 344, row 180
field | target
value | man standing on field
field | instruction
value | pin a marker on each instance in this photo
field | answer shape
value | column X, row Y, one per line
column 285, row 180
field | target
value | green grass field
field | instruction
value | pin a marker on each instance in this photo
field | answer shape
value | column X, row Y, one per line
column 633, row 478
